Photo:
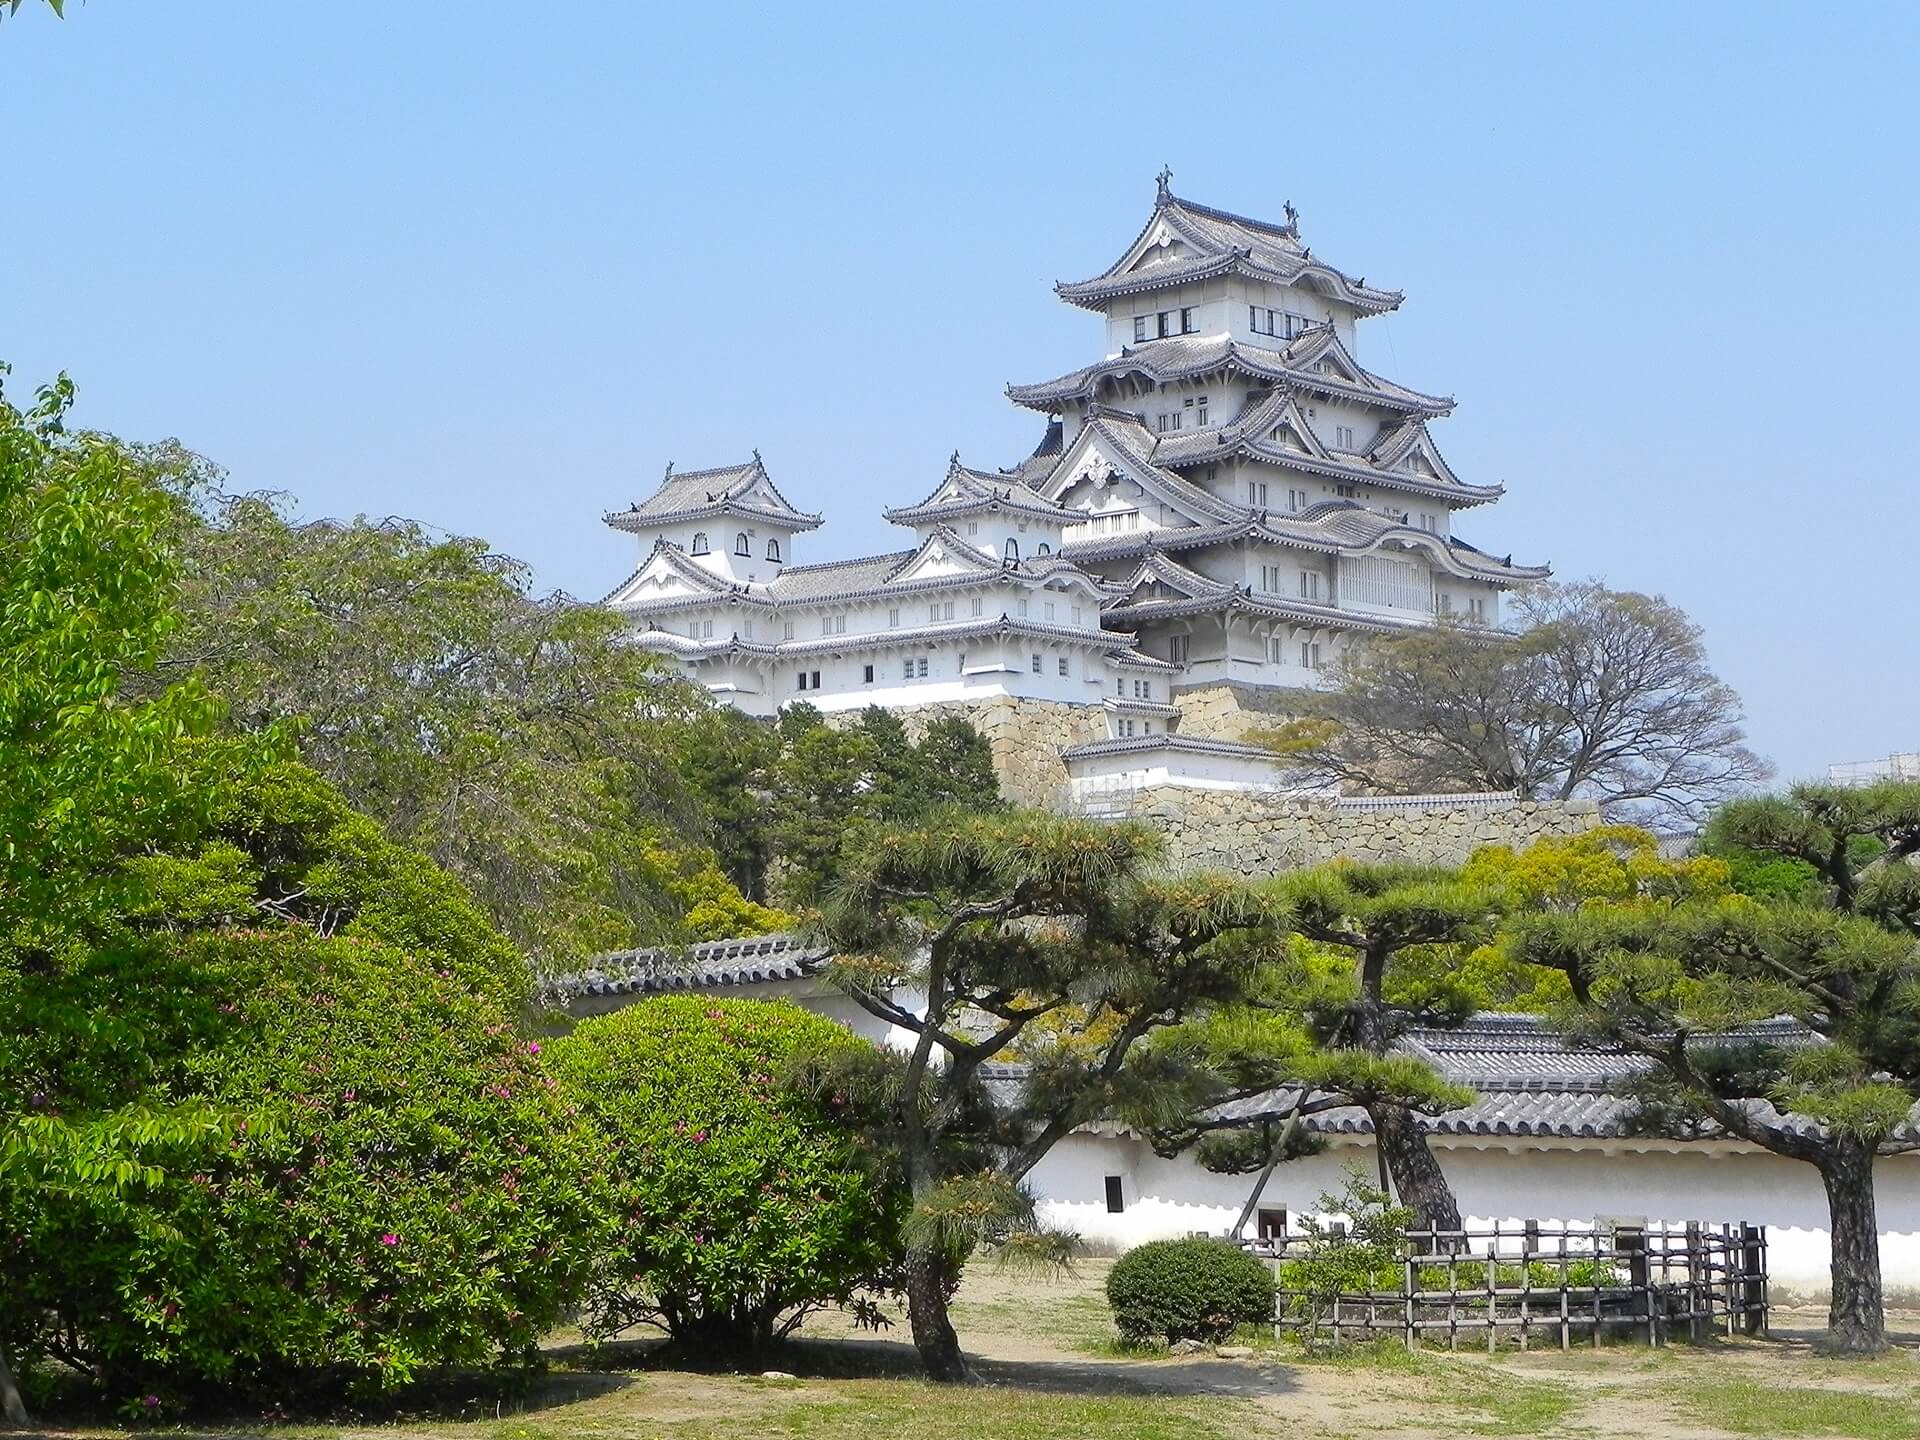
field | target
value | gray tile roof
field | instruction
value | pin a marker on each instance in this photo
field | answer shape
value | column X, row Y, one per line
column 970, row 492
column 1184, row 744
column 694, row 494
column 711, row 965
column 1221, row 242
column 1186, row 357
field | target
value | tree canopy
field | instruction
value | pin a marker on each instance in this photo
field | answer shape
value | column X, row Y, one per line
column 1602, row 694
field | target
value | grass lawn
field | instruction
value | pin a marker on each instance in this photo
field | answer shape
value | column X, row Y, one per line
column 1052, row 1371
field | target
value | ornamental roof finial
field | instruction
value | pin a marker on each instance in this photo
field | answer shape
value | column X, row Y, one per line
column 756, row 455
column 669, row 474
column 1293, row 217
column 1164, row 179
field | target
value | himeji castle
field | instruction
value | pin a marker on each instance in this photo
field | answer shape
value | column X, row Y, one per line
column 1215, row 509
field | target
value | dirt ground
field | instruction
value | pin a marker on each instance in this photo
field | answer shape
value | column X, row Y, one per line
column 1050, row 1370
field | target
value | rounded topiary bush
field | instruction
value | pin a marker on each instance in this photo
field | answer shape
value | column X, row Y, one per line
column 1187, row 1290
column 744, row 1198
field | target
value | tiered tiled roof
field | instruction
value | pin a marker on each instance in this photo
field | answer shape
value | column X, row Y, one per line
column 965, row 491
column 711, row 965
column 1217, row 242
column 1190, row 357
column 698, row 494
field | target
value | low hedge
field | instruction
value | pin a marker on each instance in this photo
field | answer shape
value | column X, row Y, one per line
column 1188, row 1290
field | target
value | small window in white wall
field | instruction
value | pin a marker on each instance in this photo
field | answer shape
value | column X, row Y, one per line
column 1043, row 548
column 1120, row 686
column 1310, row 655
column 920, row 667
column 1309, row 584
column 1178, row 647
column 1200, row 412
column 1257, row 494
column 1066, row 666
column 1270, row 578
column 1188, row 324
column 1012, row 548
column 906, row 669
column 976, row 606
column 1442, row 603
column 1046, row 609
column 893, row 617
column 700, row 542
column 973, row 527
column 786, row 630
column 1140, row 323
column 1020, row 608
column 1477, row 606
column 773, row 551
column 1036, row 663
column 1116, row 1195
column 741, row 545
column 1277, row 650
column 867, row 674
column 1272, row 1224
column 1296, row 500
column 746, row 630
column 706, row 629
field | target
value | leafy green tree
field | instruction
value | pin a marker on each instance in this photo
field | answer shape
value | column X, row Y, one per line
column 518, row 741
column 388, row 1182
column 1041, row 938
column 832, row 784
column 1857, row 844
column 743, row 1200
column 727, row 757
column 92, row 774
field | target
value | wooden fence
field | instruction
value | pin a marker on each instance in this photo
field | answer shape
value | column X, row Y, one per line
column 1532, row 1284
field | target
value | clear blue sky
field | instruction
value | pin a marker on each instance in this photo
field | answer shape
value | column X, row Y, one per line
column 492, row 266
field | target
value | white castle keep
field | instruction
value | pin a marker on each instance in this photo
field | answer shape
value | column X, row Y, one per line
column 1228, row 497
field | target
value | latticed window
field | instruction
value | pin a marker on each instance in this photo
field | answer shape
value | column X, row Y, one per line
column 700, row 542
column 741, row 545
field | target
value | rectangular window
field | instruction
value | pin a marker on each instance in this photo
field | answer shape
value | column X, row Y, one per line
column 1200, row 418
column 1295, row 325
column 893, row 617
column 1020, row 607
column 1296, row 500
column 1116, row 1196
column 867, row 677
column 1164, row 323
column 1076, row 614
column 906, row 669
column 1036, row 663
column 1187, row 325
column 802, row 678
column 706, row 629
column 1343, row 436
column 1120, row 687
column 816, row 680
column 747, row 630
column 1065, row 666
column 1346, row 492
column 1277, row 651
column 1169, row 422
column 946, row 611
column 1477, row 606
column 1272, row 1224
column 1177, row 648
column 1309, row 584
column 1309, row 655
column 933, row 612
column 786, row 630
column 976, row 605
column 1253, row 319
column 920, row 667
column 1047, row 609
column 1139, row 327
column 1442, row 602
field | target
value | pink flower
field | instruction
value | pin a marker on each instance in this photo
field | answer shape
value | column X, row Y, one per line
column 389, row 1238
column 533, row 1047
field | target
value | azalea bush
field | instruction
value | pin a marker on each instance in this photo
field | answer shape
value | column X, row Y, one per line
column 387, row 1179
column 745, row 1198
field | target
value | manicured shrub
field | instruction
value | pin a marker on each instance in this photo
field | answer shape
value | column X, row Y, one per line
column 745, row 1199
column 386, row 1179
column 1195, row 1289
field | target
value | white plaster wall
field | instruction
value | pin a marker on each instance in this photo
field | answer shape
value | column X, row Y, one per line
column 1566, row 1184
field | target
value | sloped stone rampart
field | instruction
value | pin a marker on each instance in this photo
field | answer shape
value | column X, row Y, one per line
column 1254, row 834
column 1229, row 712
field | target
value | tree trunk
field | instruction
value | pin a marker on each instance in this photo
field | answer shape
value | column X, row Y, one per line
column 1417, row 1176
column 12, row 1408
column 1857, row 1319
column 928, row 1275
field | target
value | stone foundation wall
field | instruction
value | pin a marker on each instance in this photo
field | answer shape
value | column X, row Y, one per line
column 1228, row 712
column 1254, row 834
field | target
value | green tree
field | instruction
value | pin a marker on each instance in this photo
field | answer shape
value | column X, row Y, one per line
column 743, row 1200
column 1035, row 937
column 518, row 741
column 1686, row 986
column 1397, row 935
column 727, row 757
column 1857, row 844
column 92, row 775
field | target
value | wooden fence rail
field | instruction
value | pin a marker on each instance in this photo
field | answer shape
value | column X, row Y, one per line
column 1534, row 1283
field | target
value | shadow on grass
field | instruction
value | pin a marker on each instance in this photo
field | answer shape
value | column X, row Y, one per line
column 882, row 1359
